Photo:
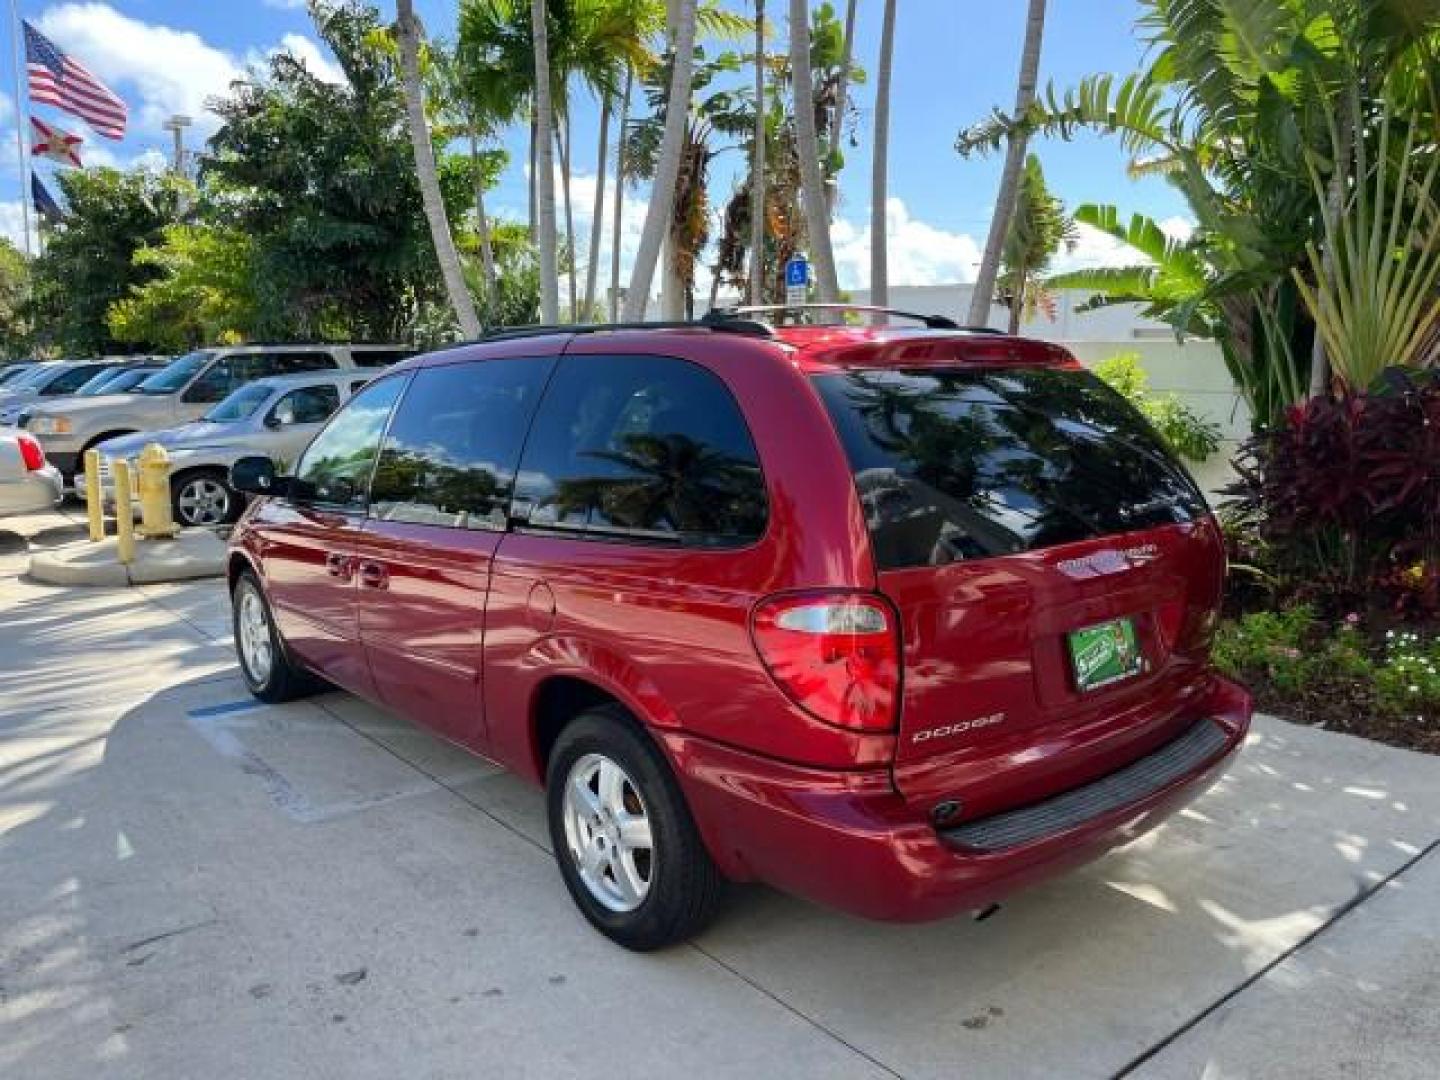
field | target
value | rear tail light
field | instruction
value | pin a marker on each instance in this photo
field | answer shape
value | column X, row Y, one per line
column 31, row 454
column 836, row 655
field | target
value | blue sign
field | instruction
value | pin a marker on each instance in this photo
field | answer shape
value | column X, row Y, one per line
column 797, row 273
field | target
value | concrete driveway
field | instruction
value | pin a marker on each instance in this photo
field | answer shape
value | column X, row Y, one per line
column 193, row 886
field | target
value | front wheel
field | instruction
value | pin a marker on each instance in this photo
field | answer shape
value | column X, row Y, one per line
column 204, row 498
column 265, row 664
column 629, row 852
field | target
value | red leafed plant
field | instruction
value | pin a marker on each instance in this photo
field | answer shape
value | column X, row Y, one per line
column 1345, row 494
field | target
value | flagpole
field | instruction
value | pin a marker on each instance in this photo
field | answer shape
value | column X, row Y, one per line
column 22, row 122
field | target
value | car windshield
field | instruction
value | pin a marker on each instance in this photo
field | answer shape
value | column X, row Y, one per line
column 11, row 376
column 127, row 382
column 38, row 373
column 176, row 375
column 240, row 404
column 94, row 384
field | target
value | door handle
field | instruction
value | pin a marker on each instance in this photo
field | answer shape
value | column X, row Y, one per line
column 338, row 566
column 373, row 574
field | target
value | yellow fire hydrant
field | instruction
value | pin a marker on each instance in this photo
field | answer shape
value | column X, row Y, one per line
column 154, row 484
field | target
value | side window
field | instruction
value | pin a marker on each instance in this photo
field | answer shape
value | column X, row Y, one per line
column 306, row 405
column 263, row 365
column 642, row 447
column 449, row 457
column 335, row 469
column 216, row 382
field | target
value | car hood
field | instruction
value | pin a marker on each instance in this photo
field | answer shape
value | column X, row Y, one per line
column 185, row 437
column 74, row 406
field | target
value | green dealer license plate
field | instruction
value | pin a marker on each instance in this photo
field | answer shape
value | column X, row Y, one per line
column 1105, row 654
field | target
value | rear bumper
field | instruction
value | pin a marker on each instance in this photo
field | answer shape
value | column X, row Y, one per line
column 850, row 841
column 32, row 494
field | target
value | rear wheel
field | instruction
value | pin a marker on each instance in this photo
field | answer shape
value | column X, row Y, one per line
column 204, row 497
column 627, row 846
column 266, row 666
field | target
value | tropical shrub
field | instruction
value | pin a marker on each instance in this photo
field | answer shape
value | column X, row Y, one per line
column 1189, row 434
column 1345, row 494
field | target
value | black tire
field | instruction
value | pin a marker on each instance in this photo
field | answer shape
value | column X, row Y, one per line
column 234, row 503
column 685, row 886
column 284, row 680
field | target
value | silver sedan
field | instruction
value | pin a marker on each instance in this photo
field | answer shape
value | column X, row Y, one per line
column 28, row 484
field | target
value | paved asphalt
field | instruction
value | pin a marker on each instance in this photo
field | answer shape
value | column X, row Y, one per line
column 194, row 886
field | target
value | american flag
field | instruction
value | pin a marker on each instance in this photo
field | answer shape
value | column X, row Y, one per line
column 62, row 81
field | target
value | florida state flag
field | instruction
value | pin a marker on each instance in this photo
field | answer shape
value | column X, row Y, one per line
column 55, row 144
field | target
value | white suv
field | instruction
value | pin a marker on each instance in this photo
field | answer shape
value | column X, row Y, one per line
column 183, row 391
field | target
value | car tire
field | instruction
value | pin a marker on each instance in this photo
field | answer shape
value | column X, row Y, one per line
column 265, row 664
column 641, row 900
column 203, row 498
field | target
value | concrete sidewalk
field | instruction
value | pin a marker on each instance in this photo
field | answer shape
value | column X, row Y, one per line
column 194, row 885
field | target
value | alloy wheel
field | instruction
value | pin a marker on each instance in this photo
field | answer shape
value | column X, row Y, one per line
column 257, row 649
column 607, row 830
column 203, row 501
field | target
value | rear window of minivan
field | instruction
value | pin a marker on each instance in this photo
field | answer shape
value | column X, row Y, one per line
column 955, row 464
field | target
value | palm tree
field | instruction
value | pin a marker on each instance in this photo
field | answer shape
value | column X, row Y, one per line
column 597, row 217
column 619, row 199
column 807, row 147
column 879, row 193
column 429, row 178
column 757, row 166
column 544, row 178
column 667, row 172
column 1038, row 229
column 984, row 292
column 837, row 121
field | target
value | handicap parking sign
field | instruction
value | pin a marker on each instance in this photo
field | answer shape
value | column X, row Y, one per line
column 797, row 273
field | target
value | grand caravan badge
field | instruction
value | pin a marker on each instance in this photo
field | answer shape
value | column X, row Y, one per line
column 1108, row 561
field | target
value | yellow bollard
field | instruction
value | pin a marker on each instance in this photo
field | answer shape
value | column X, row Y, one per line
column 124, row 511
column 94, row 496
column 155, row 517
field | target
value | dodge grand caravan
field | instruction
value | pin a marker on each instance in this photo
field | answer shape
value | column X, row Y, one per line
column 897, row 620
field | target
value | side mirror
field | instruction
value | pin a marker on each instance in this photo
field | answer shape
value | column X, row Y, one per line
column 273, row 422
column 255, row 475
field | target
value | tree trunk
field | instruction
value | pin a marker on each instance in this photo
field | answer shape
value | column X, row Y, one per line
column 1334, row 205
column 544, row 174
column 757, row 166
column 429, row 178
column 482, row 226
column 619, row 199
column 984, row 293
column 597, row 219
column 807, row 149
column 667, row 173
column 562, row 147
column 842, row 90
column 880, row 166
column 534, row 178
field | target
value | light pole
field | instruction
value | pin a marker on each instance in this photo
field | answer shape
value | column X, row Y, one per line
column 177, row 124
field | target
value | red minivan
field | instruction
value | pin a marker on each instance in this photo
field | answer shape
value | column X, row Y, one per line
column 895, row 619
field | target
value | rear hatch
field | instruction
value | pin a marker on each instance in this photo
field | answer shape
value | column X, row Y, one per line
column 1055, row 570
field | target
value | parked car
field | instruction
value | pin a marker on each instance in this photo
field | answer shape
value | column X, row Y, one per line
column 10, row 372
column 895, row 620
column 184, row 390
column 118, row 379
column 276, row 416
column 57, row 379
column 28, row 483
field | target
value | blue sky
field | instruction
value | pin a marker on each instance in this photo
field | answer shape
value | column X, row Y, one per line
column 954, row 60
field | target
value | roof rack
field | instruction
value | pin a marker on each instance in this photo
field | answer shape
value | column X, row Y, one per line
column 720, row 322
column 931, row 322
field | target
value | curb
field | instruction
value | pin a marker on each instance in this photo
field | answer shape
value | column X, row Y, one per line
column 193, row 554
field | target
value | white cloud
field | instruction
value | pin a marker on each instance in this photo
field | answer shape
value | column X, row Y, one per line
column 309, row 53
column 919, row 253
column 160, row 70
column 12, row 222
column 286, row 5
column 7, row 107
column 1096, row 248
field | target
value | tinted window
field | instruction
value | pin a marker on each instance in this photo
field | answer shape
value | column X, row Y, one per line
column 71, row 379
column 335, row 469
column 646, row 447
column 240, row 404
column 216, row 383
column 261, row 365
column 307, row 405
column 372, row 358
column 450, row 455
column 959, row 464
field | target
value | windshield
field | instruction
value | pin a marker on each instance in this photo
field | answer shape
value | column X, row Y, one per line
column 240, row 404
column 176, row 375
column 92, row 386
column 31, row 377
column 12, row 375
column 116, row 382
column 962, row 464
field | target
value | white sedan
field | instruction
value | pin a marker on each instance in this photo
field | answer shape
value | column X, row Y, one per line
column 28, row 484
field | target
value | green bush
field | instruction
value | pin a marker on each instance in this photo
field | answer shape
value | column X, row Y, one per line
column 1188, row 433
column 1408, row 679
